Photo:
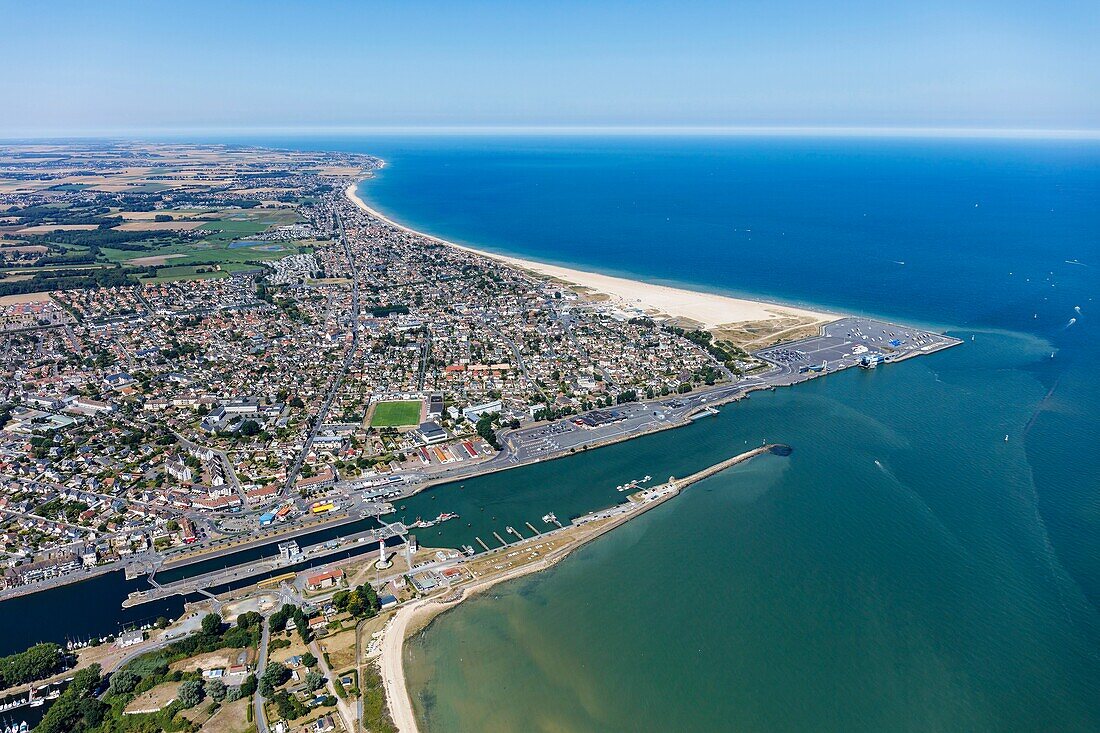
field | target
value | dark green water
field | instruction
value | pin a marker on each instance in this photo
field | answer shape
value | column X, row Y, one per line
column 891, row 574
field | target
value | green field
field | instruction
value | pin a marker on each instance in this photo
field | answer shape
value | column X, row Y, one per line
column 196, row 272
column 221, row 245
column 396, row 414
column 235, row 224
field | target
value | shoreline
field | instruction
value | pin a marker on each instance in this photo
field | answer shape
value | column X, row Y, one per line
column 693, row 308
column 417, row 616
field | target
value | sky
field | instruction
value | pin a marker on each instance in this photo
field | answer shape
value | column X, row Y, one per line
column 83, row 67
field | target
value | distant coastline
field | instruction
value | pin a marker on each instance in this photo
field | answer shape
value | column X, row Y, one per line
column 691, row 308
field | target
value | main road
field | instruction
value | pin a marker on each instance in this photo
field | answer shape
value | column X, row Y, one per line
column 349, row 356
column 261, row 664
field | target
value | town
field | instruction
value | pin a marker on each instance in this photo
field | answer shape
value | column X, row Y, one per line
column 315, row 364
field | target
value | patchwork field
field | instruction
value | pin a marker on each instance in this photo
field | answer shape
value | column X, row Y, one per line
column 136, row 212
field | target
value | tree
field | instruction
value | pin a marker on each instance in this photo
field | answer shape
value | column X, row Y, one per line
column 314, row 680
column 41, row 660
column 190, row 693
column 215, row 690
column 123, row 681
column 274, row 675
column 289, row 707
column 485, row 428
column 250, row 428
column 77, row 709
column 249, row 619
column 248, row 687
column 355, row 603
column 211, row 624
column 309, row 660
column 161, row 622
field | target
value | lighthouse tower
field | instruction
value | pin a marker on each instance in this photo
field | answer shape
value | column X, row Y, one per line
column 382, row 563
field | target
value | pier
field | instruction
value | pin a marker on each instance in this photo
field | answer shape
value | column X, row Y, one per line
column 638, row 502
column 777, row 448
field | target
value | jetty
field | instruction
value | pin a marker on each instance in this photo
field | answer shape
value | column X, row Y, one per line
column 638, row 503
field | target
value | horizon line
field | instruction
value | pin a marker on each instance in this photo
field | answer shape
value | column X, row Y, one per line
column 566, row 130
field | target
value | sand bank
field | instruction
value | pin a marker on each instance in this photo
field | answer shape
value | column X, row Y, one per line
column 697, row 309
column 412, row 618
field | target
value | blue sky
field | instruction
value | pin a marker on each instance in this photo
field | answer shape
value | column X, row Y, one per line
column 114, row 66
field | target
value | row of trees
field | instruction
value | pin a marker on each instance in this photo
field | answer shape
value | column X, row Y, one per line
column 79, row 710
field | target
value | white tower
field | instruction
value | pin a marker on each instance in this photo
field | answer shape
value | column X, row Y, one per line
column 382, row 563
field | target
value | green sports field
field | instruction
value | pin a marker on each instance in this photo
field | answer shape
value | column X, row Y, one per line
column 396, row 414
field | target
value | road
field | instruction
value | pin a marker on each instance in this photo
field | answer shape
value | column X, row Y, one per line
column 338, row 380
column 348, row 715
column 261, row 664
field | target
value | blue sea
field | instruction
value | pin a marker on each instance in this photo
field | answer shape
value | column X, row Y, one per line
column 906, row 568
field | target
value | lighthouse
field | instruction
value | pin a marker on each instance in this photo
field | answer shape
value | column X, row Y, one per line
column 382, row 563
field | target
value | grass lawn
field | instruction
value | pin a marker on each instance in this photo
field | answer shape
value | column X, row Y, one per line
column 231, row 718
column 238, row 224
column 155, row 699
column 396, row 414
column 340, row 647
column 190, row 272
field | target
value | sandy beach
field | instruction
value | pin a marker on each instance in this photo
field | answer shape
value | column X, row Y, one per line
column 692, row 308
column 410, row 619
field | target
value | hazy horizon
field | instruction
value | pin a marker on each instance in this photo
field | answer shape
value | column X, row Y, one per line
column 124, row 67
column 977, row 133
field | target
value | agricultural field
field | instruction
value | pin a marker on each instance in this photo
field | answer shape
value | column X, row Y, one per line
column 403, row 413
column 196, row 272
column 147, row 213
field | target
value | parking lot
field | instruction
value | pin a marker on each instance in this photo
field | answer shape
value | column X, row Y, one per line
column 850, row 341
